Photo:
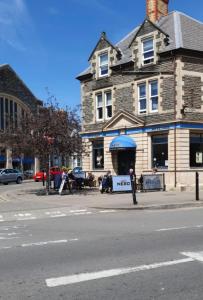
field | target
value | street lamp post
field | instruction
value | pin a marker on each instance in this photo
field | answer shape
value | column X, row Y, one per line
column 50, row 141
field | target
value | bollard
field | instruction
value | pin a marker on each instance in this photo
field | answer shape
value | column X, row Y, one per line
column 43, row 179
column 133, row 185
column 197, row 185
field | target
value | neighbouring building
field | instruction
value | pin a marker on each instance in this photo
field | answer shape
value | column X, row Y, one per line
column 142, row 99
column 15, row 100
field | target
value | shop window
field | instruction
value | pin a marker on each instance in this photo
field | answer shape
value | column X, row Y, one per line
column 196, row 150
column 160, row 151
column 98, row 154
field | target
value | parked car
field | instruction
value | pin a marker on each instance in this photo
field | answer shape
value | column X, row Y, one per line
column 39, row 176
column 78, row 172
column 28, row 174
column 11, row 175
column 53, row 171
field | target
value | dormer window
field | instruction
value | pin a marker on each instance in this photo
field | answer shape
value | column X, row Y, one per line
column 148, row 51
column 103, row 65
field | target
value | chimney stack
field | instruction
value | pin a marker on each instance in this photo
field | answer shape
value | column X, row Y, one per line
column 156, row 9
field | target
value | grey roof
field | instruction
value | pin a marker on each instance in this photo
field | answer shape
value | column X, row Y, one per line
column 183, row 31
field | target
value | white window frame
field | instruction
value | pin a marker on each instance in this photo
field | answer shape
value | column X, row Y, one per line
column 142, row 111
column 106, row 105
column 97, row 107
column 154, row 96
column 143, row 52
column 104, row 64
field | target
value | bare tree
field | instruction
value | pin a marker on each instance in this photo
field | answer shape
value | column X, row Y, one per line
column 49, row 131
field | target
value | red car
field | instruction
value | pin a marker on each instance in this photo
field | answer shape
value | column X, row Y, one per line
column 53, row 171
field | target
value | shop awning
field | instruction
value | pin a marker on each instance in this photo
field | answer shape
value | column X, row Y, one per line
column 122, row 142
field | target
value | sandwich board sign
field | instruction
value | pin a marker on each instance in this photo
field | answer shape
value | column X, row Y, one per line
column 121, row 183
column 62, row 186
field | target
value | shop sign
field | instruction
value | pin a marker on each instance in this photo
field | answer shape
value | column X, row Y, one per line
column 121, row 183
column 153, row 182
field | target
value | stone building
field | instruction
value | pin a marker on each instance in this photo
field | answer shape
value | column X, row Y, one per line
column 15, row 100
column 142, row 99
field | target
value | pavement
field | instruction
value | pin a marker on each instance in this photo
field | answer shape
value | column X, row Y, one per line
column 31, row 196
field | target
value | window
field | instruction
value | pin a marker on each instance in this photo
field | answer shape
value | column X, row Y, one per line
column 108, row 103
column 148, row 51
column 98, row 154
column 142, row 98
column 160, row 151
column 148, row 97
column 104, row 106
column 103, row 65
column 99, row 107
column 153, row 87
column 2, row 113
column 196, row 150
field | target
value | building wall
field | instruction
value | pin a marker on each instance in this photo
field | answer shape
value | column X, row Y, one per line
column 180, row 79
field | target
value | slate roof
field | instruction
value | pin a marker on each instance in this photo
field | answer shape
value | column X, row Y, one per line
column 183, row 31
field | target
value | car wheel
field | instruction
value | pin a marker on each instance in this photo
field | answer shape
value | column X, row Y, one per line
column 5, row 183
column 36, row 180
column 19, row 180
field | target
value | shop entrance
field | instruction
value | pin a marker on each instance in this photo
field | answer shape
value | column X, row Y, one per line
column 126, row 161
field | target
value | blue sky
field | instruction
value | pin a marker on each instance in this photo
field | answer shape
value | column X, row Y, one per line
column 48, row 42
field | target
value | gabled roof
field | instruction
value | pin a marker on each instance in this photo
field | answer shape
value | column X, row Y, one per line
column 183, row 31
column 147, row 20
column 102, row 38
column 130, row 120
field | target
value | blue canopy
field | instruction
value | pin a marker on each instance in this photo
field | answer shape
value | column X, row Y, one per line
column 122, row 142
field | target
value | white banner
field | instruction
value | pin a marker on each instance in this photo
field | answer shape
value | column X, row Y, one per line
column 121, row 183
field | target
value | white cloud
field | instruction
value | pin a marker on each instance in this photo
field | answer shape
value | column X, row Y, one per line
column 14, row 21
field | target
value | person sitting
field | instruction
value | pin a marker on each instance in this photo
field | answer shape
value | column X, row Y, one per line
column 89, row 180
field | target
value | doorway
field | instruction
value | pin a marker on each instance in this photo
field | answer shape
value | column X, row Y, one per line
column 126, row 161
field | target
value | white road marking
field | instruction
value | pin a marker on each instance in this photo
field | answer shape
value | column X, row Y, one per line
column 78, row 210
column 107, row 211
column 26, row 218
column 76, row 278
column 8, row 238
column 57, row 216
column 3, row 248
column 194, row 255
column 179, row 228
column 49, row 242
column 82, row 213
